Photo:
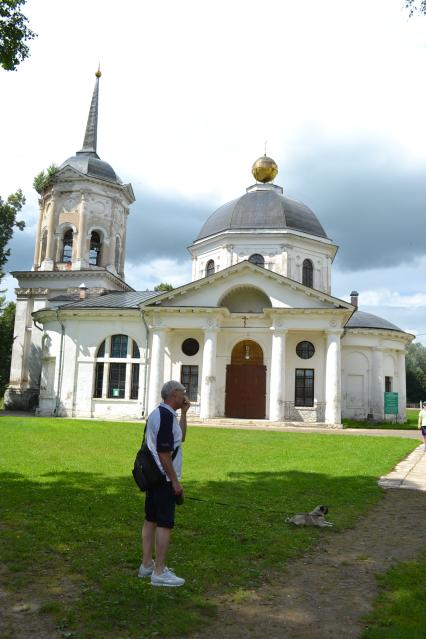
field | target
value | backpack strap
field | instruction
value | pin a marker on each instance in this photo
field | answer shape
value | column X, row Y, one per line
column 176, row 450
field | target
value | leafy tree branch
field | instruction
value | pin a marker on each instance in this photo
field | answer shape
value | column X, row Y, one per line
column 13, row 34
column 45, row 178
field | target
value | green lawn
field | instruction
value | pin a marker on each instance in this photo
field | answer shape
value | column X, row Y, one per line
column 70, row 516
column 400, row 611
column 410, row 424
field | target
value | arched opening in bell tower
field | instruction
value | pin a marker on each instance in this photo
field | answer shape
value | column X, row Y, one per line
column 308, row 273
column 95, row 249
column 67, row 243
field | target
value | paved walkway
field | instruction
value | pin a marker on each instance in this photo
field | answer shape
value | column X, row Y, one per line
column 410, row 473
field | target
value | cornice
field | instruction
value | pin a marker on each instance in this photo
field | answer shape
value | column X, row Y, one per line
column 407, row 337
column 80, row 275
column 93, row 314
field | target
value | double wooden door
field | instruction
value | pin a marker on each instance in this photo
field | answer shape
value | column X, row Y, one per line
column 245, row 391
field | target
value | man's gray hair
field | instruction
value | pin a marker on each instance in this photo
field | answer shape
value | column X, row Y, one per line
column 171, row 386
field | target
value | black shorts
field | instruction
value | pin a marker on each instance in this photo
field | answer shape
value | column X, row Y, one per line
column 423, row 430
column 160, row 503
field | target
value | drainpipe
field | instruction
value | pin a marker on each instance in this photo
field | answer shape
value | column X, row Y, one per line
column 61, row 354
column 145, row 375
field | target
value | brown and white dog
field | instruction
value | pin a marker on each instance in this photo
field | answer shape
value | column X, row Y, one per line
column 315, row 518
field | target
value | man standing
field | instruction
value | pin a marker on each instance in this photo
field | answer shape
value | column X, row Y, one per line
column 164, row 436
column 422, row 422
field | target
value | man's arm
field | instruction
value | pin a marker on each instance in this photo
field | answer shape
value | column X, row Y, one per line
column 419, row 422
column 167, row 464
column 182, row 421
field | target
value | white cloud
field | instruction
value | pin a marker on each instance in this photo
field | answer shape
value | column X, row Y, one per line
column 147, row 275
column 190, row 91
column 386, row 297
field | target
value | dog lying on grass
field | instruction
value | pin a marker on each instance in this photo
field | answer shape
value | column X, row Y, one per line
column 315, row 518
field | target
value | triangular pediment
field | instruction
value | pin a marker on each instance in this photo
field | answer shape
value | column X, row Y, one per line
column 250, row 286
column 69, row 173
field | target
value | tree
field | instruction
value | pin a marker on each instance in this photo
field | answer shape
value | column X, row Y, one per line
column 163, row 287
column 416, row 372
column 8, row 213
column 415, row 6
column 13, row 34
column 45, row 178
column 7, row 323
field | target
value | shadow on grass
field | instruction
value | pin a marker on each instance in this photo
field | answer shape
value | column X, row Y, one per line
column 75, row 537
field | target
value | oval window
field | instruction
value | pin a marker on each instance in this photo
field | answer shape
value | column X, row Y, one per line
column 190, row 346
column 305, row 350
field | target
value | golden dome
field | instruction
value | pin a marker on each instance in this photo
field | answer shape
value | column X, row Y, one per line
column 264, row 169
column 98, row 73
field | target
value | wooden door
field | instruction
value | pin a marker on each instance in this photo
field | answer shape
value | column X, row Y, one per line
column 245, row 391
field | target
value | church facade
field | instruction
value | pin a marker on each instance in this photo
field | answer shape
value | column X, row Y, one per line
column 256, row 334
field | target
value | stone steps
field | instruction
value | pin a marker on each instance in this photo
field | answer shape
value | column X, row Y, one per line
column 264, row 423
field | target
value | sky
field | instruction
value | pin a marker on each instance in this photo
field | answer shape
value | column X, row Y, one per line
column 190, row 91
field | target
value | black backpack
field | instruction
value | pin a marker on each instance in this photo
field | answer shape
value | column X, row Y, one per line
column 145, row 470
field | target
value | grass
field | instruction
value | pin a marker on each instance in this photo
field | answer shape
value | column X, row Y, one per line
column 400, row 611
column 71, row 516
column 410, row 424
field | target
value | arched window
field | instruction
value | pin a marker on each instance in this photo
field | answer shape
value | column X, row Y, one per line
column 210, row 268
column 43, row 246
column 117, row 254
column 117, row 368
column 257, row 259
column 67, row 247
column 95, row 249
column 308, row 273
column 101, row 350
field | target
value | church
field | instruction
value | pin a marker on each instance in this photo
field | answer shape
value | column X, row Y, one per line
column 256, row 334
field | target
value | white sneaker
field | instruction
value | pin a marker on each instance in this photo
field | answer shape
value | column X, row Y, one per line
column 146, row 572
column 166, row 578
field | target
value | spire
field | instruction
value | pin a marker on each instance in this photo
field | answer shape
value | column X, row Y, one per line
column 90, row 137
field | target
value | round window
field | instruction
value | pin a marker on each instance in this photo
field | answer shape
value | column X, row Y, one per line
column 305, row 350
column 190, row 346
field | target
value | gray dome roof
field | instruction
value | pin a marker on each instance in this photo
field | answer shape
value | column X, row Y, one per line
column 263, row 207
column 367, row 320
column 89, row 163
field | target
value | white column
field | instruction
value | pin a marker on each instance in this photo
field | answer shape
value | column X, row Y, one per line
column 333, row 379
column 402, row 387
column 277, row 377
column 20, row 342
column 79, row 258
column 156, row 369
column 378, row 386
column 37, row 248
column 208, row 375
column 48, row 262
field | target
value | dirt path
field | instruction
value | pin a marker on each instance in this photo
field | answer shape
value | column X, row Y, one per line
column 324, row 594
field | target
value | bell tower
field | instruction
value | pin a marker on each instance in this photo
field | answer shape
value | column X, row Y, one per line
column 80, row 239
column 83, row 210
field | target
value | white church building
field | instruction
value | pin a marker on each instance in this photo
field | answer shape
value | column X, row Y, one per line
column 256, row 334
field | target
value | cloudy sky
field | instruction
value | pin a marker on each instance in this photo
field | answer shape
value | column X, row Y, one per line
column 189, row 93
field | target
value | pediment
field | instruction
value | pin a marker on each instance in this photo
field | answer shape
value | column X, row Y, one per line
column 69, row 173
column 247, row 288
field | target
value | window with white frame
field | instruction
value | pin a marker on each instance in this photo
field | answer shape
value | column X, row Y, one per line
column 117, row 368
column 189, row 378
